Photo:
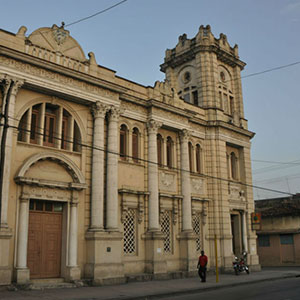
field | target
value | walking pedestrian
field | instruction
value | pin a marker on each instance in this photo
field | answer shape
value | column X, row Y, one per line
column 202, row 263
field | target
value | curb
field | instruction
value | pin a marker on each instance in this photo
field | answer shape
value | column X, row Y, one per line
column 203, row 289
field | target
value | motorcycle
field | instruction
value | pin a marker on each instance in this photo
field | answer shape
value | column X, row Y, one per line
column 240, row 265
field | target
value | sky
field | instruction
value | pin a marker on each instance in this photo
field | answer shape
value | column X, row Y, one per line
column 132, row 38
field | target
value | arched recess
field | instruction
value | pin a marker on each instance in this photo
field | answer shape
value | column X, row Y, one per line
column 69, row 165
column 48, row 178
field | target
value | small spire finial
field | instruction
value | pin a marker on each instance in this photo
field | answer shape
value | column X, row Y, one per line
column 62, row 24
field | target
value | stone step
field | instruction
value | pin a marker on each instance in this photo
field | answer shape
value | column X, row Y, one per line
column 51, row 283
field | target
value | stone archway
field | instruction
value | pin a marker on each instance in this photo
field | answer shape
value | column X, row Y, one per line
column 52, row 178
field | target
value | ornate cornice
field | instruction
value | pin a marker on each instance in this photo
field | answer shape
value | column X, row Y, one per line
column 189, row 55
column 45, row 69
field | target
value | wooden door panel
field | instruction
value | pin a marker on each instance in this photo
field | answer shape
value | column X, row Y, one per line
column 35, row 233
column 44, row 244
column 52, row 245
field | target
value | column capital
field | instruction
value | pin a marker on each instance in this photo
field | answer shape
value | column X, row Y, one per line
column 185, row 135
column 153, row 126
column 17, row 84
column 99, row 110
column 115, row 113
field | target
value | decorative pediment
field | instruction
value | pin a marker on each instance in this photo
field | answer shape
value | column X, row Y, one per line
column 57, row 39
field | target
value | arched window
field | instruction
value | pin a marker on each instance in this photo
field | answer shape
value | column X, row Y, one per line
column 191, row 156
column 198, row 158
column 123, row 141
column 233, row 161
column 159, row 150
column 169, row 152
column 50, row 125
column 135, row 145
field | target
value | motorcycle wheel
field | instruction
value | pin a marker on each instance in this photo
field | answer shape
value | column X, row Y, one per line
column 247, row 270
column 236, row 271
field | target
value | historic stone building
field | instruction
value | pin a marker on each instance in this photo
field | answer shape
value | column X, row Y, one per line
column 103, row 178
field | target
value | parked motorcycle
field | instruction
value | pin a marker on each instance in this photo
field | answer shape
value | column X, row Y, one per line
column 240, row 265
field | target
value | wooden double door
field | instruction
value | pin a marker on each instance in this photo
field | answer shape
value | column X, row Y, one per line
column 44, row 239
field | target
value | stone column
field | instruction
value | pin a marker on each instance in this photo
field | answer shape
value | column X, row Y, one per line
column 187, row 237
column 185, row 182
column 73, row 271
column 22, row 272
column 15, row 85
column 97, row 201
column 245, row 238
column 153, row 205
column 112, row 171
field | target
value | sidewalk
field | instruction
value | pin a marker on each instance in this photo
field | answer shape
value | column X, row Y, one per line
column 152, row 289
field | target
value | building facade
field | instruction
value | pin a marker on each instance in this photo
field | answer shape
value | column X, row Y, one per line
column 279, row 234
column 103, row 178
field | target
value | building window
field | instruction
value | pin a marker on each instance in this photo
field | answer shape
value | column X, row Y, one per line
column 22, row 128
column 197, row 229
column 166, row 230
column 191, row 156
column 130, row 232
column 233, row 162
column 123, row 142
column 225, row 92
column 159, row 150
column 264, row 241
column 50, row 125
column 135, row 145
column 198, row 158
column 169, row 152
column 286, row 239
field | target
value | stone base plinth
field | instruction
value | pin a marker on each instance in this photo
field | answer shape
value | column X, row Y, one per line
column 155, row 262
column 5, row 275
column 188, row 254
column 5, row 270
column 72, row 274
column 22, row 275
column 104, row 257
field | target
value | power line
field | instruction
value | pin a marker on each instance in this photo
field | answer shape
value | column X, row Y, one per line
column 276, row 162
column 144, row 160
column 272, row 69
column 95, row 14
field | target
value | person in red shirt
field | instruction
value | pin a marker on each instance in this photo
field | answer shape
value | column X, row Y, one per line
column 202, row 263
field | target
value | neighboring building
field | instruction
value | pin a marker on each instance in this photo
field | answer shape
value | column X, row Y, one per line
column 278, row 241
column 105, row 178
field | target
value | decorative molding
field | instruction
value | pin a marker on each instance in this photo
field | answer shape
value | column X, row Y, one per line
column 167, row 181
column 61, row 159
column 198, row 186
column 236, row 193
column 137, row 203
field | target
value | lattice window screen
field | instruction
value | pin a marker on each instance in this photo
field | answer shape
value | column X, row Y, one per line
column 197, row 230
column 166, row 229
column 130, row 232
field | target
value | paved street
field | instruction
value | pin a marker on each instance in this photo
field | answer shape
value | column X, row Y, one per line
column 282, row 289
column 276, row 279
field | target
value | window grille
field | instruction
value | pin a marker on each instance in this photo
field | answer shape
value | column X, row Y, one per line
column 130, row 232
column 197, row 229
column 166, row 229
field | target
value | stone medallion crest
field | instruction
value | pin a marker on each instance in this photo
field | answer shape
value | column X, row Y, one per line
column 60, row 34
